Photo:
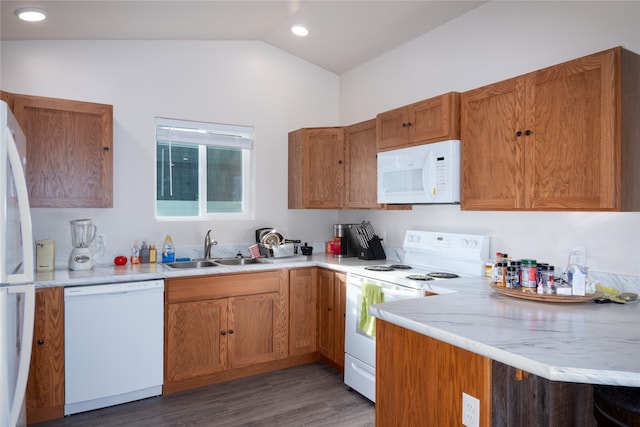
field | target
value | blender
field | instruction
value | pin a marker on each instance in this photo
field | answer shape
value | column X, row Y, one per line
column 83, row 231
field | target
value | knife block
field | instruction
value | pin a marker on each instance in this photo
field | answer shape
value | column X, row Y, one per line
column 373, row 250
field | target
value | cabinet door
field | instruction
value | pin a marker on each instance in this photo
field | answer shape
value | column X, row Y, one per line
column 435, row 119
column 340, row 298
column 254, row 329
column 45, row 387
column 69, row 152
column 361, row 166
column 196, row 339
column 326, row 308
column 392, row 129
column 316, row 168
column 570, row 155
column 323, row 168
column 492, row 165
column 303, row 298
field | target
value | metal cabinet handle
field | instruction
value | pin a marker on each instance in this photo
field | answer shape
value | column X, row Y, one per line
column 519, row 133
column 223, row 333
column 230, row 331
column 40, row 342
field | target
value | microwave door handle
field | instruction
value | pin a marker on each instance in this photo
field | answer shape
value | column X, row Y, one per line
column 429, row 175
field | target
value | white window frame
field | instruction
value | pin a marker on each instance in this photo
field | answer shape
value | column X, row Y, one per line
column 203, row 135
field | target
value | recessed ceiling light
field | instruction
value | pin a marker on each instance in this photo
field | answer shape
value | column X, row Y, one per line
column 299, row 30
column 31, row 14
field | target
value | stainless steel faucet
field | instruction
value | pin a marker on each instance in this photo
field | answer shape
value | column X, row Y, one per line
column 208, row 243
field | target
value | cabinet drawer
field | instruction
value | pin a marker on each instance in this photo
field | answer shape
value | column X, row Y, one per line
column 221, row 286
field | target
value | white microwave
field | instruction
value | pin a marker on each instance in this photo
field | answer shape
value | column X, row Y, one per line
column 428, row 173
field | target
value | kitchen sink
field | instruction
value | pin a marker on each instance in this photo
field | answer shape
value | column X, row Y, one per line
column 192, row 264
column 211, row 262
column 235, row 261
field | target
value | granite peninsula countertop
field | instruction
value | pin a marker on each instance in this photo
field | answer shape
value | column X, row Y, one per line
column 570, row 342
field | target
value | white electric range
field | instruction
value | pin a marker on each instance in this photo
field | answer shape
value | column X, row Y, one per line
column 430, row 259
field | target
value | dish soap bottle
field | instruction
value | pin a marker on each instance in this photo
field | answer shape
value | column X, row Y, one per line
column 153, row 254
column 135, row 254
column 168, row 253
column 144, row 253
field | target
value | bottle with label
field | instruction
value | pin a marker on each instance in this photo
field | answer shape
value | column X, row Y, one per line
column 168, row 252
column 153, row 253
column 135, row 254
column 144, row 253
column 529, row 271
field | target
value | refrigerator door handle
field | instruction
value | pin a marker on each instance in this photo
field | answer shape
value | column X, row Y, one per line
column 25, row 215
column 25, row 348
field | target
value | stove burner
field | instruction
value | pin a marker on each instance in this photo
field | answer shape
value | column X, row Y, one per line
column 379, row 268
column 439, row 275
column 423, row 277
column 401, row 266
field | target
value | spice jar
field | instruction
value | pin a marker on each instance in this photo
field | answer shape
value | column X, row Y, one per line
column 547, row 280
column 518, row 267
column 512, row 280
column 529, row 275
column 500, row 273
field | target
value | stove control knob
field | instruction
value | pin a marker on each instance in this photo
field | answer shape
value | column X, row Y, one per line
column 464, row 243
column 473, row 243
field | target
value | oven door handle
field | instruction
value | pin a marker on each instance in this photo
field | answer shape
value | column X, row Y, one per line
column 406, row 294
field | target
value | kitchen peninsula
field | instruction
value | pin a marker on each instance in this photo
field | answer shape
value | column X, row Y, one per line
column 491, row 346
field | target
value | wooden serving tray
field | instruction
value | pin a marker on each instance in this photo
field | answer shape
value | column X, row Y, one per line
column 517, row 293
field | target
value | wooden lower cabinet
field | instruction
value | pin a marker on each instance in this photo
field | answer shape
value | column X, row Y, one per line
column 223, row 327
column 45, row 387
column 332, row 299
column 303, row 298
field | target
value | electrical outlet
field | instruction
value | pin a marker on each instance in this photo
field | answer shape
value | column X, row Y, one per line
column 578, row 255
column 470, row 411
column 102, row 240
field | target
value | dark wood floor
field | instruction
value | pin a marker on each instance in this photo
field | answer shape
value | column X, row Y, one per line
column 309, row 395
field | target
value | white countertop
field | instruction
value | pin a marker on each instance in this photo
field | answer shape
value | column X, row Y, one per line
column 582, row 342
column 571, row 342
column 103, row 274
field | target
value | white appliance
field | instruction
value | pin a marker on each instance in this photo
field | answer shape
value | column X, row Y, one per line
column 114, row 343
column 83, row 232
column 17, row 292
column 422, row 174
column 430, row 259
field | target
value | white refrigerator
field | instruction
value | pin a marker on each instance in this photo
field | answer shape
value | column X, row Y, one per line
column 17, row 292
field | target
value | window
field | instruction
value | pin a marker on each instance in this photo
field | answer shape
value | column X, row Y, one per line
column 203, row 170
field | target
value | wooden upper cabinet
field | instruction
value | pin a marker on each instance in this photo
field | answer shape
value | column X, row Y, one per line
column 361, row 169
column 492, row 155
column 316, row 168
column 561, row 138
column 434, row 119
column 69, row 151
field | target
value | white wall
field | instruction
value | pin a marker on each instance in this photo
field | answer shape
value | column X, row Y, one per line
column 256, row 84
column 248, row 83
column 493, row 42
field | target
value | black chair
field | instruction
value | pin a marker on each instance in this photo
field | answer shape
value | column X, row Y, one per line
column 615, row 406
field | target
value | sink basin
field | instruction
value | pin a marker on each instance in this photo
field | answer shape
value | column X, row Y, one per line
column 192, row 264
column 235, row 261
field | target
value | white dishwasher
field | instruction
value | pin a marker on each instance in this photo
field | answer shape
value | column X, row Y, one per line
column 113, row 344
